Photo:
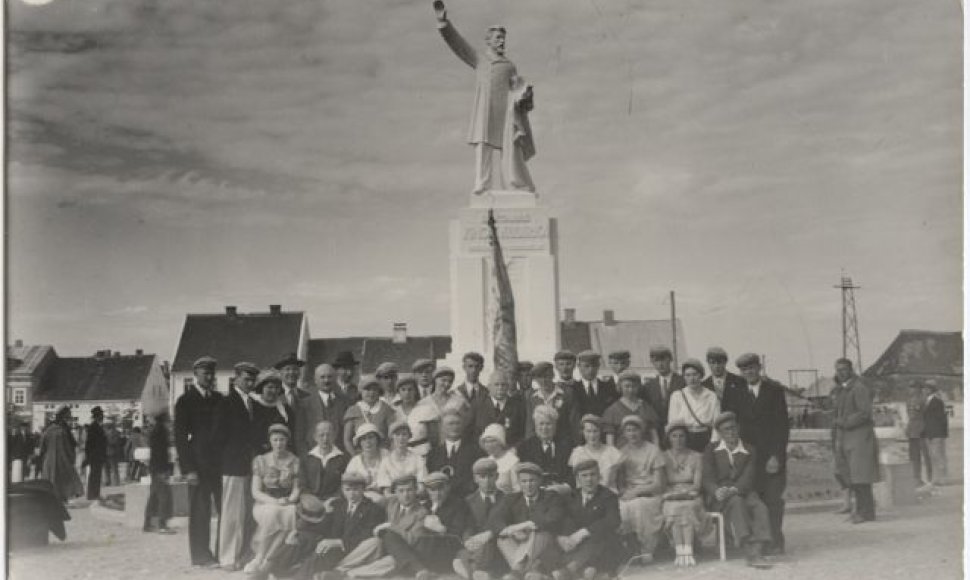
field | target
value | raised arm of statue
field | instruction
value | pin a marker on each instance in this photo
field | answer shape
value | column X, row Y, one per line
column 453, row 39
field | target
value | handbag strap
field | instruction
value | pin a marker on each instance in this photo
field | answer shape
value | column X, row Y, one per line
column 691, row 409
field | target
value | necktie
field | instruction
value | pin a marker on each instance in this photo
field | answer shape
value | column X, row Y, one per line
column 586, row 499
column 350, row 509
column 451, row 450
column 289, row 397
column 498, row 406
column 663, row 387
column 548, row 451
column 589, row 389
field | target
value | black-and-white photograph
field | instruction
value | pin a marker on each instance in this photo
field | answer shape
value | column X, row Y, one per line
column 484, row 289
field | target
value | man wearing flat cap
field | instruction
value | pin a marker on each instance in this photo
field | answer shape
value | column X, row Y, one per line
column 527, row 523
column 480, row 559
column 346, row 366
column 729, row 387
column 657, row 390
column 618, row 361
column 565, row 362
column 234, row 435
column 501, row 407
column 386, row 374
column 445, row 525
column 589, row 537
column 593, row 394
column 763, row 420
column 325, row 403
column 198, row 456
column 423, row 372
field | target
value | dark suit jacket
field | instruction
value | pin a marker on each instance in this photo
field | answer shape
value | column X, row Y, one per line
column 512, row 417
column 718, row 471
column 650, row 392
column 312, row 412
column 263, row 418
column 95, row 444
column 322, row 480
column 935, row 423
column 480, row 393
column 601, row 516
column 194, row 421
column 453, row 513
column 557, row 468
column 158, row 449
column 462, row 482
column 764, row 421
column 234, row 434
column 480, row 511
column 358, row 527
column 734, row 391
column 548, row 512
column 351, row 393
column 606, row 395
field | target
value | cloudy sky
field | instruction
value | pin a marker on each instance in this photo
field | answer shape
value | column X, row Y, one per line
column 178, row 156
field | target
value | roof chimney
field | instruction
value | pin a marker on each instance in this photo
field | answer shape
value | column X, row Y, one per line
column 608, row 318
column 399, row 334
column 18, row 343
column 231, row 311
column 139, row 352
column 570, row 315
column 275, row 309
column 117, row 354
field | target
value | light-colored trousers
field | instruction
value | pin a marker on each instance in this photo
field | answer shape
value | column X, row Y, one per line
column 16, row 471
column 236, row 506
column 938, row 457
column 514, row 173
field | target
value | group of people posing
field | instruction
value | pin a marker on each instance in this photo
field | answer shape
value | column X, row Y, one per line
column 557, row 471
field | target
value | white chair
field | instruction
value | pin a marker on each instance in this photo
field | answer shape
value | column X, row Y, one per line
column 721, row 540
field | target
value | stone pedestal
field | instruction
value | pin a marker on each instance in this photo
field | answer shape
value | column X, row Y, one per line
column 529, row 239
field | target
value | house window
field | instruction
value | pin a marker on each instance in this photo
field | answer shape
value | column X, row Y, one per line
column 19, row 397
column 187, row 383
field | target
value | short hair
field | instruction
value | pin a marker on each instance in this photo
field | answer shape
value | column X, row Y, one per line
column 478, row 358
column 545, row 412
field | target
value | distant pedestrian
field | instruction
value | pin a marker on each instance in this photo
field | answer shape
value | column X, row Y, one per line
column 95, row 452
column 919, row 451
column 159, row 504
column 856, row 440
column 935, row 430
column 19, row 452
column 58, row 453
column 113, row 455
column 136, row 468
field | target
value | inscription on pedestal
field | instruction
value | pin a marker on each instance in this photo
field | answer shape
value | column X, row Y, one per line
column 518, row 230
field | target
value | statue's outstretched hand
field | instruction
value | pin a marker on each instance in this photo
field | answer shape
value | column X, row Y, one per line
column 439, row 10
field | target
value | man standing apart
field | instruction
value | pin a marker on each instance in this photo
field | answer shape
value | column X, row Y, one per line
column 763, row 420
column 95, row 453
column 235, row 437
column 198, row 456
column 855, row 439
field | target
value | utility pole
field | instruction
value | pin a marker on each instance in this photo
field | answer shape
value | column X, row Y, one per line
column 673, row 325
column 850, row 322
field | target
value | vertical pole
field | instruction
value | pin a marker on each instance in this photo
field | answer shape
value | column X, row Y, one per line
column 673, row 326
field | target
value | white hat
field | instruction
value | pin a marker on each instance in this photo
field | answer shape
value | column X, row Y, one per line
column 494, row 431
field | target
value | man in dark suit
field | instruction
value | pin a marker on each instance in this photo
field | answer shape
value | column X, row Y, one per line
column 95, row 452
column 454, row 454
column 523, row 379
column 657, row 390
column 480, row 558
column 423, row 372
column 198, row 456
column 592, row 395
column 728, row 481
column 448, row 519
column 499, row 407
column 547, row 450
column 935, row 430
column 350, row 521
column 325, row 403
column 471, row 389
column 729, row 387
column 234, row 435
column 589, row 537
column 290, row 368
column 322, row 466
column 763, row 419
column 565, row 362
column 527, row 523
column 346, row 367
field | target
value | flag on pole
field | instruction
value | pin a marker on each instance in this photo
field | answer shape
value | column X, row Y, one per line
column 505, row 355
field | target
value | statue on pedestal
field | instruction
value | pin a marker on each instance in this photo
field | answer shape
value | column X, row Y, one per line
column 500, row 114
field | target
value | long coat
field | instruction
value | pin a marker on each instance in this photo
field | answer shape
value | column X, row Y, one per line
column 57, row 454
column 856, row 436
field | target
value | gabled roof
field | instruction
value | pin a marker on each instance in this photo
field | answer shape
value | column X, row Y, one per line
column 260, row 338
column 96, row 378
column 921, row 352
column 372, row 351
column 636, row 336
column 28, row 358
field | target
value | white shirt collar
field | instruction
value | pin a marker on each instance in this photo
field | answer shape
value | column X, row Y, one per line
column 739, row 449
column 370, row 409
column 202, row 391
column 496, row 401
column 317, row 452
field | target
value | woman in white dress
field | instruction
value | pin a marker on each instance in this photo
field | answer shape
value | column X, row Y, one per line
column 683, row 508
column 368, row 462
column 640, row 481
column 432, row 407
column 275, row 489
column 400, row 461
column 492, row 442
column 695, row 406
column 606, row 456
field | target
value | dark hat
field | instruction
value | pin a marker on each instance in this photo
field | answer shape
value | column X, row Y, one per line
column 747, row 359
column 528, row 467
column 204, row 362
column 435, row 479
column 421, row 364
column 717, row 353
column 586, row 465
column 620, row 355
column 443, row 371
column 693, row 363
column 246, row 367
column 473, row 356
column 289, row 360
column 724, row 418
column 661, row 351
column 484, row 465
column 542, row 369
column 564, row 355
column 344, row 359
column 524, row 366
column 403, row 480
column 589, row 356
column 311, row 509
column 353, row 478
column 386, row 368
column 97, row 411
column 628, row 375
